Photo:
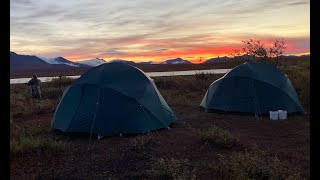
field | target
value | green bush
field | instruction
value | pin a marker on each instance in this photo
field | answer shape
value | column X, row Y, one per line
column 217, row 137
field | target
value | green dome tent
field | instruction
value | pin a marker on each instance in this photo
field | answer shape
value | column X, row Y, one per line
column 253, row 87
column 110, row 99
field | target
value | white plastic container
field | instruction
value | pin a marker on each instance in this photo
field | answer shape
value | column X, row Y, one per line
column 282, row 114
column 274, row 115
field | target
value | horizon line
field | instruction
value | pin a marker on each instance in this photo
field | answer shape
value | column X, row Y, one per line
column 155, row 61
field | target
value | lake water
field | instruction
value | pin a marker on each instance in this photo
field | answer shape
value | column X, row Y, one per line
column 150, row 74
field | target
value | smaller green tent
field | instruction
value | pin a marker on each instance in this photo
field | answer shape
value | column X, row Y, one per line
column 110, row 99
column 253, row 87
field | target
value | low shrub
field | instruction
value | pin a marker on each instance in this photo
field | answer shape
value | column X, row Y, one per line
column 34, row 144
column 199, row 82
column 178, row 169
column 51, row 93
column 21, row 102
column 176, row 98
column 57, row 82
column 32, row 140
column 217, row 137
column 255, row 165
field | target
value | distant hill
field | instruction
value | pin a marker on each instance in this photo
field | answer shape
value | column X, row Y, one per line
column 217, row 59
column 147, row 62
column 122, row 61
column 176, row 61
column 289, row 57
column 305, row 55
column 20, row 61
column 92, row 62
column 62, row 60
column 26, row 63
column 293, row 56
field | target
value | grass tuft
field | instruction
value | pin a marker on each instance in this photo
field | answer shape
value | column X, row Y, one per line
column 217, row 137
column 34, row 144
column 255, row 165
column 142, row 142
column 178, row 169
column 32, row 140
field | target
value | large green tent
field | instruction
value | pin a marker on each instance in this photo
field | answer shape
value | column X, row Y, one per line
column 252, row 87
column 110, row 99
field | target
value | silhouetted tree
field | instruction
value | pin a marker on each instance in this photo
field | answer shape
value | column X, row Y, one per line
column 236, row 54
column 277, row 49
column 255, row 49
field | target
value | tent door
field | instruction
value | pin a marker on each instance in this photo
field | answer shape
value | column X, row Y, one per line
column 86, row 111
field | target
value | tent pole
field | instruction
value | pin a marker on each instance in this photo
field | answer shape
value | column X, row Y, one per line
column 257, row 109
column 60, row 85
column 94, row 119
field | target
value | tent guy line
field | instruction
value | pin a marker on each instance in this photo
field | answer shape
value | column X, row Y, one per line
column 150, row 74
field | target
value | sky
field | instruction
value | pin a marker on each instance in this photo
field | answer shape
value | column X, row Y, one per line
column 154, row 30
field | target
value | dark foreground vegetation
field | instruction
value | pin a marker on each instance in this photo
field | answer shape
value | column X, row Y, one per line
column 198, row 145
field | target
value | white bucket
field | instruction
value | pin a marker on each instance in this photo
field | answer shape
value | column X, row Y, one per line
column 273, row 115
column 282, row 114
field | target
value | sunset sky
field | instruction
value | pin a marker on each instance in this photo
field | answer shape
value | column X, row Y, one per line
column 154, row 30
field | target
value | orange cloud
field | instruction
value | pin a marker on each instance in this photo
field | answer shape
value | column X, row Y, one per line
column 139, row 48
column 195, row 53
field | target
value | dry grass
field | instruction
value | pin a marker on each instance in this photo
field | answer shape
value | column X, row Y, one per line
column 182, row 90
column 256, row 165
column 142, row 142
column 22, row 104
column 177, row 169
column 33, row 145
column 33, row 140
column 217, row 137
column 177, row 90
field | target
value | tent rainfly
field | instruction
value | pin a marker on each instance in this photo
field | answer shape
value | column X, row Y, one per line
column 113, row 98
column 253, row 87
